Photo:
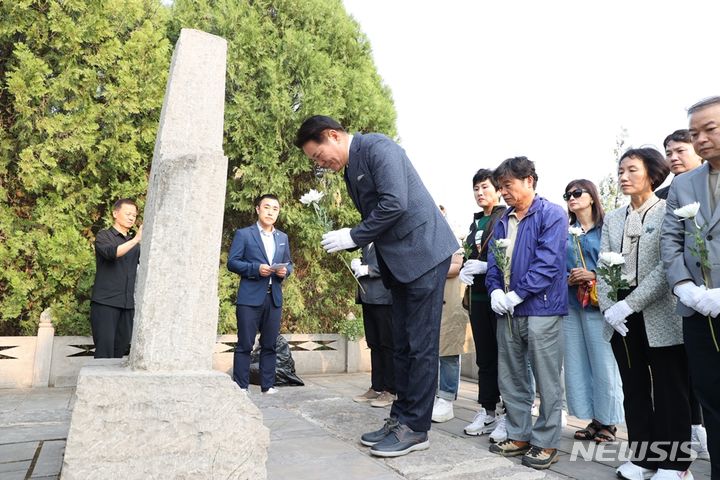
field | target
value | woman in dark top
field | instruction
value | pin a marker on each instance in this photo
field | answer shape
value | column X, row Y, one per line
column 482, row 319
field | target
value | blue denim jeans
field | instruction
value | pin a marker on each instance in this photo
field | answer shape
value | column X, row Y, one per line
column 592, row 380
column 449, row 377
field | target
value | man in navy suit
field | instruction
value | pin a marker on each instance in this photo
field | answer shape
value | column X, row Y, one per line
column 413, row 244
column 260, row 254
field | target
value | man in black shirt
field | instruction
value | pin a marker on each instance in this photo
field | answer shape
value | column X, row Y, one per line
column 113, row 297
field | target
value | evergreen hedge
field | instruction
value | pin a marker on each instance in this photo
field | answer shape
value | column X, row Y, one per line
column 81, row 87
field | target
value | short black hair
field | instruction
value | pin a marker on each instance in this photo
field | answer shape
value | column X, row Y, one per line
column 682, row 136
column 706, row 102
column 656, row 165
column 313, row 127
column 262, row 197
column 485, row 174
column 516, row 167
column 124, row 201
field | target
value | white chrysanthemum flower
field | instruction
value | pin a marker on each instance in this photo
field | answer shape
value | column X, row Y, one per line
column 502, row 243
column 313, row 196
column 611, row 258
column 688, row 211
column 576, row 231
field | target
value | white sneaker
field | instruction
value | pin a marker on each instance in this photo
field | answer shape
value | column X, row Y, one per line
column 442, row 411
column 270, row 391
column 500, row 433
column 482, row 423
column 630, row 471
column 663, row 474
column 698, row 437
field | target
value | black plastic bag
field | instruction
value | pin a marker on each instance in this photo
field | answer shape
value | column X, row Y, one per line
column 284, row 368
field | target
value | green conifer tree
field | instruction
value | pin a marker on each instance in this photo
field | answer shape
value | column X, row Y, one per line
column 81, row 86
column 287, row 60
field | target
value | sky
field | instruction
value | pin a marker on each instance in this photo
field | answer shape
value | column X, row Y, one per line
column 476, row 82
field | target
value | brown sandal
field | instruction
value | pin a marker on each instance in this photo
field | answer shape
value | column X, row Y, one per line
column 605, row 434
column 589, row 432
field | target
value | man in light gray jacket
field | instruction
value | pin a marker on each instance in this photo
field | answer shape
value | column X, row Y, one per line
column 694, row 279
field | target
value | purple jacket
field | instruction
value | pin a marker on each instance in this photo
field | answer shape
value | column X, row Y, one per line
column 538, row 273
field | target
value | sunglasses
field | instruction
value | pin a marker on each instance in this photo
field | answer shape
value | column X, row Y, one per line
column 575, row 194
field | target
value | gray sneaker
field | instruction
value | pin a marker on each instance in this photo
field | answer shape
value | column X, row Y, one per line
column 401, row 441
column 367, row 396
column 371, row 438
column 385, row 399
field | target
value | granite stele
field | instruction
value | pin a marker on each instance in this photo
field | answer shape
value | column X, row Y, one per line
column 166, row 413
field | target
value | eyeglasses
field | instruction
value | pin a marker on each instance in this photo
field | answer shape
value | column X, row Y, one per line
column 575, row 194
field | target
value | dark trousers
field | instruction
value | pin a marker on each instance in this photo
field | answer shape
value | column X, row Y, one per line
column 704, row 361
column 417, row 309
column 111, row 330
column 250, row 319
column 377, row 320
column 655, row 384
column 696, row 417
column 483, row 322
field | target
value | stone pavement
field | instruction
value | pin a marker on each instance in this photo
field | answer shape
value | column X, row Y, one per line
column 314, row 434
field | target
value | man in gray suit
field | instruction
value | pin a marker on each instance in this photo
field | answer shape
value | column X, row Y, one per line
column 413, row 245
column 696, row 289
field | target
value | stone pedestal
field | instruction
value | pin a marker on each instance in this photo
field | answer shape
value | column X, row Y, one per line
column 180, row 425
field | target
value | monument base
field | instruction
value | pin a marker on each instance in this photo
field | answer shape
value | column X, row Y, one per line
column 130, row 424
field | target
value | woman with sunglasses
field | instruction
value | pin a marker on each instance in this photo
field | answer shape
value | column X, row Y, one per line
column 643, row 328
column 592, row 380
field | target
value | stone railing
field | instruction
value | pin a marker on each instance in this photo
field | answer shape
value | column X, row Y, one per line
column 46, row 360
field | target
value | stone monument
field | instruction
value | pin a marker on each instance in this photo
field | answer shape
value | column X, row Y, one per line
column 167, row 414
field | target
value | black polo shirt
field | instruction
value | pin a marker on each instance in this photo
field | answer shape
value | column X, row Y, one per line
column 114, row 277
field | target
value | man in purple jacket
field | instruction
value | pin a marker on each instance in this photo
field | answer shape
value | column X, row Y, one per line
column 528, row 290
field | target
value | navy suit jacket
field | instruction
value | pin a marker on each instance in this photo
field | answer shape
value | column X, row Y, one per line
column 247, row 253
column 411, row 236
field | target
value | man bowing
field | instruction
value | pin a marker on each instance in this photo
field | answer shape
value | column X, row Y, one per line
column 413, row 243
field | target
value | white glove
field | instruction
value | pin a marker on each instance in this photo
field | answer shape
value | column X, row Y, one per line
column 498, row 302
column 621, row 328
column 362, row 271
column 710, row 303
column 617, row 314
column 355, row 263
column 466, row 277
column 689, row 294
column 337, row 240
column 511, row 301
column 475, row 267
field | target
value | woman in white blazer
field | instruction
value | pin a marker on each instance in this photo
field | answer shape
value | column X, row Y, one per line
column 647, row 341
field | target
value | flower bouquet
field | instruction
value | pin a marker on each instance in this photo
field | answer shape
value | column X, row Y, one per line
column 699, row 250
column 610, row 270
column 499, row 250
column 313, row 198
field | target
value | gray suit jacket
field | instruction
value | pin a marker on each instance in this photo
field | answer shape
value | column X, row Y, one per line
column 411, row 236
column 652, row 295
column 375, row 291
column 680, row 263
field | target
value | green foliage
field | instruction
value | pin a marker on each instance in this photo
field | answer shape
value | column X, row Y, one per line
column 351, row 327
column 287, row 60
column 81, row 87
